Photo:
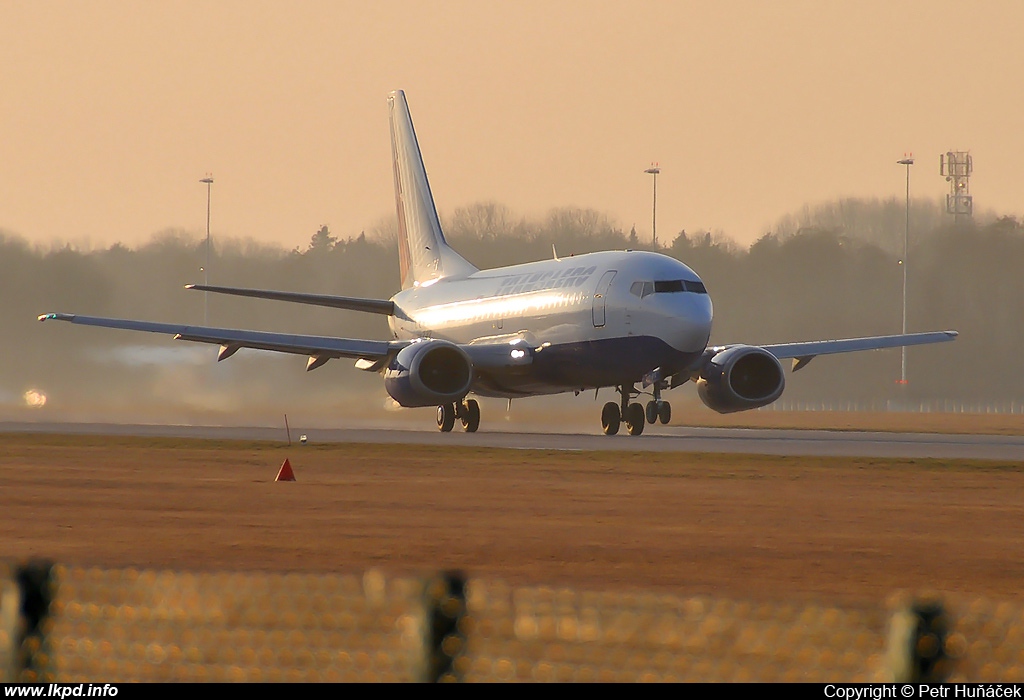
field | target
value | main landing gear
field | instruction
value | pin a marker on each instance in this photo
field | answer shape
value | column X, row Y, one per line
column 633, row 414
column 467, row 411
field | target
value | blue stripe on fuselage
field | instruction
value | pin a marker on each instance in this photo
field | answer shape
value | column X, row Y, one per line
column 584, row 365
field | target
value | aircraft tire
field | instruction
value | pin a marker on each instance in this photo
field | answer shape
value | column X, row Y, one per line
column 470, row 416
column 635, row 419
column 610, row 418
column 652, row 412
column 664, row 412
column 446, row 417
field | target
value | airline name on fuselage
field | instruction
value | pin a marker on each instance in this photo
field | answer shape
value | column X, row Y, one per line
column 539, row 281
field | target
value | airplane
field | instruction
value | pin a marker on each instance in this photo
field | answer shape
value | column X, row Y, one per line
column 606, row 319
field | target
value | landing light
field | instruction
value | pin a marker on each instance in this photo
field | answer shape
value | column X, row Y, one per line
column 517, row 354
column 34, row 399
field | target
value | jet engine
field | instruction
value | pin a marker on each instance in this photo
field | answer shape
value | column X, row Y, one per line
column 740, row 378
column 429, row 373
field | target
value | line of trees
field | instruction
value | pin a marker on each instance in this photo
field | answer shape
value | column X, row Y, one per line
column 829, row 272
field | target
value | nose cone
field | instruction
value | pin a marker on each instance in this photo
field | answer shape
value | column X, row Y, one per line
column 690, row 321
column 679, row 310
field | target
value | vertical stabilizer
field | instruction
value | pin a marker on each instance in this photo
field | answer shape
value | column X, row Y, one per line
column 423, row 253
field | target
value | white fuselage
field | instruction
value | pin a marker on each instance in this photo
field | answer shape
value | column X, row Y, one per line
column 589, row 321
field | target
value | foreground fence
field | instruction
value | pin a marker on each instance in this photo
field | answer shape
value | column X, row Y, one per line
column 74, row 624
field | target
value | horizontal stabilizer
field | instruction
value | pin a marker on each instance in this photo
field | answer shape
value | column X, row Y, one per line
column 372, row 306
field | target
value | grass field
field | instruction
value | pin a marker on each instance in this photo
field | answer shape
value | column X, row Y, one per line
column 741, row 526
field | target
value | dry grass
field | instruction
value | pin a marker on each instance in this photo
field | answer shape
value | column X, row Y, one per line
column 736, row 525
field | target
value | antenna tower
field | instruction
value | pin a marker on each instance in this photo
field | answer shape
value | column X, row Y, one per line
column 956, row 167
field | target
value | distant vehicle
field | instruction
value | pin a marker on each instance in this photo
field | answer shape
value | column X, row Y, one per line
column 608, row 319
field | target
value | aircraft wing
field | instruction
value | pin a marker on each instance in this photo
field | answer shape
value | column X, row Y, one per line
column 373, row 306
column 320, row 349
column 802, row 353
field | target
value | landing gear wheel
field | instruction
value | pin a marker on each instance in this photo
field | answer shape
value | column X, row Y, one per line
column 470, row 416
column 635, row 419
column 610, row 418
column 664, row 412
column 446, row 417
column 652, row 412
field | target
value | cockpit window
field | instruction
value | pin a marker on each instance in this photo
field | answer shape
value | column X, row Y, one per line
column 669, row 286
column 643, row 289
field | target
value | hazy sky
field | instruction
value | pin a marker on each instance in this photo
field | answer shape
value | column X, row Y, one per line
column 111, row 111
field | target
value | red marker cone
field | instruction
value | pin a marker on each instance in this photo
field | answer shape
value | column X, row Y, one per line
column 286, row 473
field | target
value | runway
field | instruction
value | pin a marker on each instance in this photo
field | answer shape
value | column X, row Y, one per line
column 824, row 443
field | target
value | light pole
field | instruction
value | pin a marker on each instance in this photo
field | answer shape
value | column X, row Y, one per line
column 906, row 235
column 654, row 170
column 206, row 268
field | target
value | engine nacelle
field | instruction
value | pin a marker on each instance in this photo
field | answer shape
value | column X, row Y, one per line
column 741, row 378
column 429, row 373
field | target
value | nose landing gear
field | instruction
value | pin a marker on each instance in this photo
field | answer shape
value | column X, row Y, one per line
column 658, row 411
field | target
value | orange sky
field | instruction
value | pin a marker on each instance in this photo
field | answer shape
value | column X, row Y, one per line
column 111, row 111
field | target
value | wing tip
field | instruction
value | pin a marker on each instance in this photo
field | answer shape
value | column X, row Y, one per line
column 55, row 317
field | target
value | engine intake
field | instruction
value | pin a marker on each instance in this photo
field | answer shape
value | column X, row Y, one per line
column 741, row 378
column 429, row 373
